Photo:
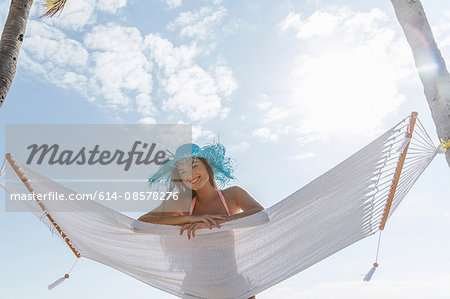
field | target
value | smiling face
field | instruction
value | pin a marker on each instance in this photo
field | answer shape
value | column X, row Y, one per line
column 194, row 173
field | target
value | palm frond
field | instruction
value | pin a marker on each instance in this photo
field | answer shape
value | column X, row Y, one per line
column 52, row 7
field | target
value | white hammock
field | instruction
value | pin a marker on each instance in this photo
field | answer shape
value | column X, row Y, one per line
column 248, row 255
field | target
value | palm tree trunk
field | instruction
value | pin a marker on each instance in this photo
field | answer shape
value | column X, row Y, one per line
column 429, row 63
column 12, row 38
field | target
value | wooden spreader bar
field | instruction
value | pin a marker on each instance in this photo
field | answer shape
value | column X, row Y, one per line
column 398, row 170
column 10, row 159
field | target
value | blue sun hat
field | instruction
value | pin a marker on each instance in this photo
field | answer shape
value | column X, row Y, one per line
column 221, row 165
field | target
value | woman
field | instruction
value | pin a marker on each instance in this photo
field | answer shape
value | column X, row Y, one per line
column 193, row 172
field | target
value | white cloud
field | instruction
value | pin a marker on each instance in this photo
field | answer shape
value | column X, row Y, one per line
column 115, row 74
column 111, row 6
column 191, row 90
column 81, row 13
column 173, row 3
column 200, row 23
column 441, row 31
column 265, row 134
column 234, row 25
column 240, row 147
column 147, row 121
column 308, row 137
column 119, row 64
column 305, row 156
column 71, row 80
column 144, row 105
column 49, row 45
column 318, row 24
column 345, row 81
column 168, row 57
column 113, row 68
column 111, row 37
column 198, row 132
column 275, row 114
column 224, row 80
column 264, row 105
column 75, row 16
column 49, row 54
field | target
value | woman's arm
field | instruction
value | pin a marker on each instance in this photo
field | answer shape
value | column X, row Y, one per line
column 152, row 217
column 244, row 201
column 168, row 212
column 175, row 216
column 242, row 214
column 209, row 220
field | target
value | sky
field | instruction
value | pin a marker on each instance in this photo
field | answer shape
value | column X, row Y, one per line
column 291, row 88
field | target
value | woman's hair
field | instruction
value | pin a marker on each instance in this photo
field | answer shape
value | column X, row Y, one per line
column 176, row 181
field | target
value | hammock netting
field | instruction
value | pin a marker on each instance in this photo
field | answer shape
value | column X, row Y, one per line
column 251, row 254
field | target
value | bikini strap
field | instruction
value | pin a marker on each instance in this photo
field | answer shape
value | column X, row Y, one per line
column 221, row 198
column 192, row 205
column 223, row 201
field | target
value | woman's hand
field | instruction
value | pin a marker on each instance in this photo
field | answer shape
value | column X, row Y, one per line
column 191, row 228
column 201, row 222
column 208, row 219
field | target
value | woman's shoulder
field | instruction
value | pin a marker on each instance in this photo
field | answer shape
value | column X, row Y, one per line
column 242, row 198
column 234, row 192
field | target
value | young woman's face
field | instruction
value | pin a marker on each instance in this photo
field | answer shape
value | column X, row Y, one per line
column 193, row 173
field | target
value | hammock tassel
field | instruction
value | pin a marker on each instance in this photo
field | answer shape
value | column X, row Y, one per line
column 370, row 273
column 59, row 281
column 375, row 265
